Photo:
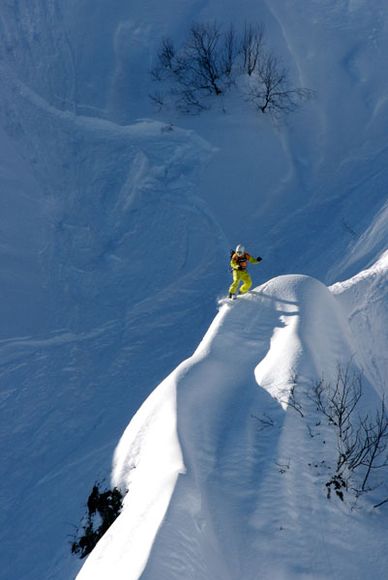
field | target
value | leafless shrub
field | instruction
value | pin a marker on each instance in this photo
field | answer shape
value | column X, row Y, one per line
column 201, row 68
column 201, row 58
column 209, row 61
column 166, row 61
column 271, row 89
column 338, row 401
column 375, row 444
column 362, row 442
column 293, row 402
column 288, row 394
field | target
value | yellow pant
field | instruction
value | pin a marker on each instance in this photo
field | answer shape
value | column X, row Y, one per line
column 240, row 276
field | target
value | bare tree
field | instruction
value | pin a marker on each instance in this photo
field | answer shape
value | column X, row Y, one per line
column 201, row 68
column 375, row 437
column 206, row 66
column 362, row 443
column 337, row 402
column 166, row 61
column 272, row 91
column 252, row 47
column 201, row 58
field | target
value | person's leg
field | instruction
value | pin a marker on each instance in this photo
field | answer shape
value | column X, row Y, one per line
column 236, row 281
column 247, row 282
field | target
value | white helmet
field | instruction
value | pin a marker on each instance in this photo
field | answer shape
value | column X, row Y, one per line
column 240, row 250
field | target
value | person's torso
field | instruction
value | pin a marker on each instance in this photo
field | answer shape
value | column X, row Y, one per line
column 242, row 261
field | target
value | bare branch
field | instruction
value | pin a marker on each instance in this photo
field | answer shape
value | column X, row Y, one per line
column 206, row 66
column 381, row 503
column 265, row 421
column 272, row 91
column 362, row 443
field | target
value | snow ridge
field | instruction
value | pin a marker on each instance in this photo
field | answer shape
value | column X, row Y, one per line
column 219, row 456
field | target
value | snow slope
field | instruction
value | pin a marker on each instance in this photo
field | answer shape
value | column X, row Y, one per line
column 116, row 223
column 67, row 361
column 364, row 299
column 249, row 498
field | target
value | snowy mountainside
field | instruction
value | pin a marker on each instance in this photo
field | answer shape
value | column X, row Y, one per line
column 23, row 239
column 115, row 231
column 102, row 304
column 249, row 498
column 322, row 175
column 364, row 299
column 88, row 324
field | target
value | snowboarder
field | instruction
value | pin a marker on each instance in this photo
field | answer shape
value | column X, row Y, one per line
column 238, row 263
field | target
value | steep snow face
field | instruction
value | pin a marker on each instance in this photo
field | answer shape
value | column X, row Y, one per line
column 370, row 244
column 23, row 240
column 364, row 299
column 249, row 498
column 101, row 305
column 336, row 173
column 115, row 231
column 100, row 227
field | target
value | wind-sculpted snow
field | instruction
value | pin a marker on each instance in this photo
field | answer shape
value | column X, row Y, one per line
column 364, row 300
column 248, row 499
column 115, row 227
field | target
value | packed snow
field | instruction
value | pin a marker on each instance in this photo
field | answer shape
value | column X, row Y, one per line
column 115, row 230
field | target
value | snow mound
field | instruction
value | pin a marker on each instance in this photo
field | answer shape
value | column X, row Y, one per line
column 218, row 456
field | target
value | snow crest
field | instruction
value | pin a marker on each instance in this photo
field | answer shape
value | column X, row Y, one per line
column 219, row 454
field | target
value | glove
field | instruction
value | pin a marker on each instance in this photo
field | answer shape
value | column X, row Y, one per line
column 259, row 259
column 240, row 268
